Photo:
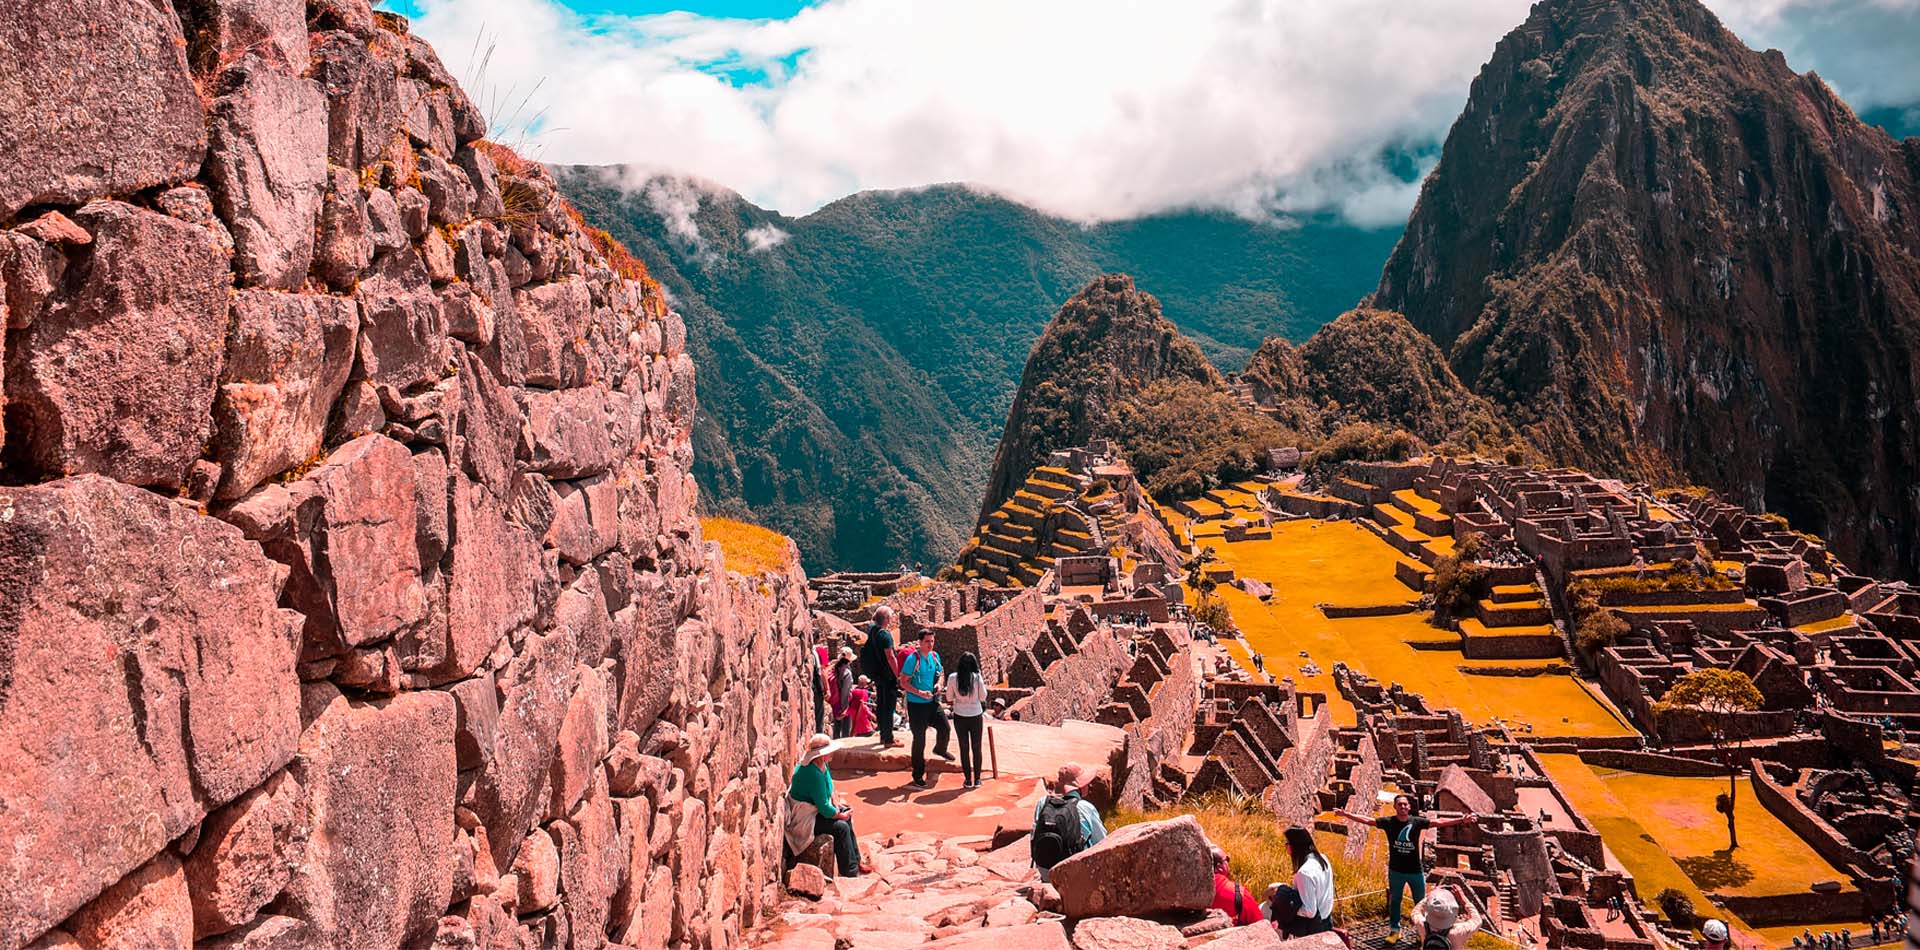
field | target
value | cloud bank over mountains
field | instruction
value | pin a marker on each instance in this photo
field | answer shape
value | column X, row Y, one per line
column 1091, row 109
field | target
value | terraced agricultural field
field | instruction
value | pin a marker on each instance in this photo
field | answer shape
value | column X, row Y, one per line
column 1338, row 562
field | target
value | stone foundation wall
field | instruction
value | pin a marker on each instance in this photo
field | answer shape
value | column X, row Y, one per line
column 351, row 593
column 1162, row 736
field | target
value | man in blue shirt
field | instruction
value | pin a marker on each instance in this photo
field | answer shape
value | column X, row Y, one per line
column 920, row 675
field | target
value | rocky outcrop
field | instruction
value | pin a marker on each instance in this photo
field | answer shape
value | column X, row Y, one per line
column 1662, row 253
column 1107, row 345
column 1139, row 870
column 350, row 588
column 1372, row 366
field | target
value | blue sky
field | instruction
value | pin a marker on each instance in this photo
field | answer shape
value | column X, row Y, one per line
column 1091, row 109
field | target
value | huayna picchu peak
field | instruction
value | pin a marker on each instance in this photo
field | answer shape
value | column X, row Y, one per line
column 1662, row 253
column 406, row 544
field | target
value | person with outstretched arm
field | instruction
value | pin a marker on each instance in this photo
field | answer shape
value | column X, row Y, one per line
column 1404, row 870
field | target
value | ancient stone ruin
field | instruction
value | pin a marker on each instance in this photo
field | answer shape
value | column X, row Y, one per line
column 350, row 589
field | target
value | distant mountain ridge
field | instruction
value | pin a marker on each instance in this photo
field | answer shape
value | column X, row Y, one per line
column 858, row 363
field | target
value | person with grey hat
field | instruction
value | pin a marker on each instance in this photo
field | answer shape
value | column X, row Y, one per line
column 1714, row 934
column 1446, row 919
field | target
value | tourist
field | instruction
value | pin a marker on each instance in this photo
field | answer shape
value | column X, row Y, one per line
column 967, row 695
column 1404, row 868
column 840, row 688
column 819, row 688
column 1064, row 823
column 1875, row 926
column 1313, row 881
column 1229, row 896
column 861, row 720
column 880, row 665
column 1446, row 919
column 812, row 787
column 921, row 674
column 1714, row 934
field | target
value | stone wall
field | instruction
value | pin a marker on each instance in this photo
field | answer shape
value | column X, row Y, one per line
column 350, row 589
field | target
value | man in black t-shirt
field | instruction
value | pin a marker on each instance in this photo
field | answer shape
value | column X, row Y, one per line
column 1405, row 870
column 882, row 665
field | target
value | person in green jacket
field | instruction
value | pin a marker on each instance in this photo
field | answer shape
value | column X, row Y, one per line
column 813, row 784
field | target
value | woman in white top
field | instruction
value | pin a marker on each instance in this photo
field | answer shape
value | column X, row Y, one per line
column 1313, row 878
column 967, row 695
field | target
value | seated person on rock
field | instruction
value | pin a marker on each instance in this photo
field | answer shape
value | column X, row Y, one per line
column 1446, row 919
column 812, row 791
column 1064, row 824
column 1229, row 896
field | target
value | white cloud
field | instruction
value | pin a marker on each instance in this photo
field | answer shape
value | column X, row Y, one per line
column 1093, row 109
column 766, row 237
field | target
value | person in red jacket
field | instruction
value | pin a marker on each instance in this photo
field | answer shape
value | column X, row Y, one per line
column 1229, row 896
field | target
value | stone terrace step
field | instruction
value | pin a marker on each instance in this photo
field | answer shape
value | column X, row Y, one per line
column 1509, row 593
column 1513, row 613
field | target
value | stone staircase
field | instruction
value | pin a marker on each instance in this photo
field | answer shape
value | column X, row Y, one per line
column 1017, row 543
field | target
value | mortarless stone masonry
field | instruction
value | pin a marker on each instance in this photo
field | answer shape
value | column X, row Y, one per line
column 351, row 593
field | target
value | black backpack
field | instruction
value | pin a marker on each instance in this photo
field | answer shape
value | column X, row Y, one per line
column 1056, row 830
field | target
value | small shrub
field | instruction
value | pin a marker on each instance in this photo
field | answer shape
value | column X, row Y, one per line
column 1213, row 612
column 1598, row 630
column 1677, row 906
column 1458, row 583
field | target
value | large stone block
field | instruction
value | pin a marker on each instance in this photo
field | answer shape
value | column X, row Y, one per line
column 582, row 742
column 348, row 530
column 151, row 677
column 1139, row 870
column 288, row 356
column 403, row 331
column 380, row 780
column 95, row 99
column 359, row 79
column 535, row 691
column 551, row 318
column 118, row 375
column 221, row 31
column 575, row 432
column 267, row 163
column 146, row 910
column 490, row 590
column 246, row 855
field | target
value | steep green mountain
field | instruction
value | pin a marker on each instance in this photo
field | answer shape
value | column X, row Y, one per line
column 1664, row 254
column 858, row 363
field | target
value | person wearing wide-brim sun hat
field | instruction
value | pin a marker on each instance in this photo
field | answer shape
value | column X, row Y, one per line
column 811, row 792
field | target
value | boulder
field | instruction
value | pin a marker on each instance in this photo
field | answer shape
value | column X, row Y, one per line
column 805, row 880
column 1260, row 936
column 118, row 375
column 267, row 163
column 151, row 678
column 146, row 910
column 1125, row 933
column 380, row 780
column 1142, row 869
column 288, row 356
column 95, row 100
column 246, row 854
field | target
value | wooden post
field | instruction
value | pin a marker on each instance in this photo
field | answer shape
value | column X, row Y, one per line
column 994, row 751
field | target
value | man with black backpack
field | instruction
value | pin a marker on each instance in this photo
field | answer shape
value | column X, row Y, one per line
column 1064, row 824
column 882, row 666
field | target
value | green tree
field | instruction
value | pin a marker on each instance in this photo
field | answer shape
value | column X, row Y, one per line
column 1720, row 695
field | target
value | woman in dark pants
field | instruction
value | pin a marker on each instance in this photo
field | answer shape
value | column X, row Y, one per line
column 813, row 784
column 967, row 696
